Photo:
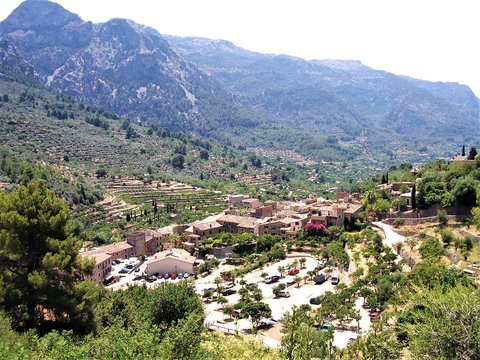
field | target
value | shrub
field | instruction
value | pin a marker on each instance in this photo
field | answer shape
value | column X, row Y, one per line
column 442, row 217
column 431, row 249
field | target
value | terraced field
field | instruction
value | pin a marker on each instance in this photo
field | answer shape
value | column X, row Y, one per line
column 174, row 194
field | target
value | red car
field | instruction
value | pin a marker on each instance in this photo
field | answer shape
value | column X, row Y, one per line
column 174, row 276
column 293, row 272
column 375, row 315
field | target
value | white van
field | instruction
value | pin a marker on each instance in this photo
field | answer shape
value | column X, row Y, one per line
column 335, row 279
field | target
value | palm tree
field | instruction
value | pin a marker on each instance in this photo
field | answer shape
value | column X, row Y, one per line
column 302, row 262
column 311, row 274
column 295, row 263
column 228, row 310
column 297, row 280
column 218, row 281
column 222, row 301
column 281, row 270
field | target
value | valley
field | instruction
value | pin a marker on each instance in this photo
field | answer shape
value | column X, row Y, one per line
column 166, row 197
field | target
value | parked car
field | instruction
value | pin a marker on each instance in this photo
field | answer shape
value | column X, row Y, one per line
column 226, row 292
column 293, row 272
column 375, row 315
column 123, row 271
column 137, row 269
column 320, row 278
column 160, row 276
column 151, row 278
column 266, row 323
column 316, row 300
column 180, row 275
column 327, row 327
column 173, row 276
column 251, row 285
column 186, row 275
column 335, row 279
column 290, row 281
column 272, row 279
column 228, row 285
column 283, row 294
column 166, row 276
column 320, row 266
column 129, row 266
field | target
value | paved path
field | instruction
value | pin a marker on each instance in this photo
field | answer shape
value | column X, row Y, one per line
column 391, row 237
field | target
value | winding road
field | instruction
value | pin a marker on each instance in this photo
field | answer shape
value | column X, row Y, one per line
column 391, row 237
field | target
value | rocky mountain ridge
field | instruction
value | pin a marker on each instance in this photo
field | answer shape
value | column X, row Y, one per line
column 326, row 110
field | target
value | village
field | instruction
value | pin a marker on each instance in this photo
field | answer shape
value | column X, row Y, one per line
column 172, row 253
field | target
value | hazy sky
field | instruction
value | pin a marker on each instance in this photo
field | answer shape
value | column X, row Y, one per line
column 435, row 40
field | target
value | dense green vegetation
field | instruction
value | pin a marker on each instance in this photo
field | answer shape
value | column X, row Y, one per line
column 42, row 296
column 48, row 312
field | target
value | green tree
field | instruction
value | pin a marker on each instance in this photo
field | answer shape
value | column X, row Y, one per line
column 172, row 302
column 39, row 261
column 302, row 341
column 472, row 153
column 277, row 289
column 256, row 311
column 297, row 280
column 431, row 249
column 464, row 192
column 414, row 197
column 444, row 325
column 178, row 161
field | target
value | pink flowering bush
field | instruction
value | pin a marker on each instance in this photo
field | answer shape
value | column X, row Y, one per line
column 316, row 229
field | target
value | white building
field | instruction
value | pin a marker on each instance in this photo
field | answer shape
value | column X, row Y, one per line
column 170, row 261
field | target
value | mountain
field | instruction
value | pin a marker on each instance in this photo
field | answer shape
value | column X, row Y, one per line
column 344, row 93
column 122, row 66
column 13, row 66
column 323, row 110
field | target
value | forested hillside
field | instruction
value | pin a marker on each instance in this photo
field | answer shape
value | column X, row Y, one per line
column 325, row 110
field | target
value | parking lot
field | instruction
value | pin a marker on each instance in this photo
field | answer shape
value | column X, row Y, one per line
column 279, row 306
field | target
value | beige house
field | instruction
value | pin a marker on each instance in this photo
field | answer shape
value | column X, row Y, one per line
column 103, row 257
column 103, row 265
column 287, row 227
column 200, row 230
column 251, row 203
column 170, row 261
column 236, row 224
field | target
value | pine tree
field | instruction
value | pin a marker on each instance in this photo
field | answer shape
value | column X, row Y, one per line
column 39, row 261
column 463, row 150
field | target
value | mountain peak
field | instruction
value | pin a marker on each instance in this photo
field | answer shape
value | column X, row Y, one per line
column 32, row 14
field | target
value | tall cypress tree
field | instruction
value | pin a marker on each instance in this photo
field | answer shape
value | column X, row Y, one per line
column 473, row 153
column 463, row 150
column 414, row 197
